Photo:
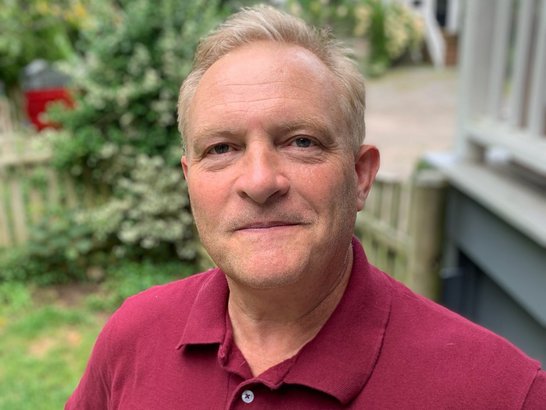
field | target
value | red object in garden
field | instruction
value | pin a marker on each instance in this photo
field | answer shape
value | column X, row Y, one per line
column 37, row 101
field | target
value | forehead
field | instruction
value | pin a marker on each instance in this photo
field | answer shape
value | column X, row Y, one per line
column 265, row 75
column 261, row 59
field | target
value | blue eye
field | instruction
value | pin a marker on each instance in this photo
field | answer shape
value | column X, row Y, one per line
column 303, row 142
column 219, row 149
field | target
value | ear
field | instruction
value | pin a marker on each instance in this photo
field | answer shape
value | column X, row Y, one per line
column 366, row 166
column 184, row 163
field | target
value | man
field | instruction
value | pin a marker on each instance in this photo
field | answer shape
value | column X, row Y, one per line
column 294, row 317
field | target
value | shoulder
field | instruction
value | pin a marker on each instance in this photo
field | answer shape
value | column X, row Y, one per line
column 536, row 398
column 436, row 327
column 425, row 318
column 152, row 319
column 462, row 356
column 180, row 292
column 148, row 324
column 161, row 304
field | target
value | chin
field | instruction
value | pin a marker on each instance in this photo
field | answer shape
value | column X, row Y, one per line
column 265, row 276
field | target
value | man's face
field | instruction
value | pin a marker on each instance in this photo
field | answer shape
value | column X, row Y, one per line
column 273, row 181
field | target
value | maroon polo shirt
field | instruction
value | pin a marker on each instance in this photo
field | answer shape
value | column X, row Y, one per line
column 384, row 347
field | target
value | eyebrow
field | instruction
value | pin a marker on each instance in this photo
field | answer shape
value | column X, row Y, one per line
column 281, row 127
column 306, row 123
column 201, row 136
column 309, row 124
column 209, row 132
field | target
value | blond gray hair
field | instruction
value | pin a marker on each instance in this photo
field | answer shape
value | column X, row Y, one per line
column 265, row 23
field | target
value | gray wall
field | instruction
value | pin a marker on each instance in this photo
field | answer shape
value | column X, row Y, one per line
column 495, row 275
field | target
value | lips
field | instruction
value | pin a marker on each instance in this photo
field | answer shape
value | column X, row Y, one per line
column 267, row 225
column 280, row 219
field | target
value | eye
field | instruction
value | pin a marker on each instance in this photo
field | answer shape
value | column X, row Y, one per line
column 303, row 142
column 219, row 149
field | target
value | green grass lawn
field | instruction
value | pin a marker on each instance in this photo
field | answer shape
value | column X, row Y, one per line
column 43, row 349
column 46, row 334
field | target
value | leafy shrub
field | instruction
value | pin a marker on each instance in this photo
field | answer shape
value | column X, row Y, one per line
column 126, row 84
column 61, row 248
column 34, row 29
column 391, row 29
column 122, row 134
column 147, row 212
column 145, row 219
column 16, row 265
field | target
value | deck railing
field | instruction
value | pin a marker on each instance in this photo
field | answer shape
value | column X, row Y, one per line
column 503, row 82
column 500, row 156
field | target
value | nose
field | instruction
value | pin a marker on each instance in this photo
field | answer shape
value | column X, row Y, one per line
column 261, row 176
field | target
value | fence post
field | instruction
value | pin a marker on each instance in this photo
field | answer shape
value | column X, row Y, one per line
column 425, row 231
column 22, row 203
column 5, row 237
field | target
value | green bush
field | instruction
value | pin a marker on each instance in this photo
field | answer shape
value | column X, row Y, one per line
column 145, row 219
column 126, row 84
column 122, row 136
column 391, row 29
column 147, row 215
column 16, row 266
column 32, row 29
column 61, row 248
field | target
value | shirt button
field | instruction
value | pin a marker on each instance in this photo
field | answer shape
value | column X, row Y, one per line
column 247, row 396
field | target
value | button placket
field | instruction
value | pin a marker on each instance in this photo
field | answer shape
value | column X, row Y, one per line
column 247, row 396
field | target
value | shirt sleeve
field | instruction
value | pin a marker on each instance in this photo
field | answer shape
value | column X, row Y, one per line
column 93, row 391
column 536, row 397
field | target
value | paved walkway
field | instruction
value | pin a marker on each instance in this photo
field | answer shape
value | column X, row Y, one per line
column 411, row 111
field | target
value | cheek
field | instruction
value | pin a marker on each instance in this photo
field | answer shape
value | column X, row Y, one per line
column 341, row 180
column 334, row 192
column 345, row 195
column 206, row 184
column 204, row 197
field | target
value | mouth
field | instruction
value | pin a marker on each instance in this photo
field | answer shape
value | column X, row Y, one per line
column 263, row 225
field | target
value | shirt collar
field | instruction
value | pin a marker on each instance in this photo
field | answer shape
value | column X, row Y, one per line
column 341, row 358
column 206, row 320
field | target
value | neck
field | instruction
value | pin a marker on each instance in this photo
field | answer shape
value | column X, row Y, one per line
column 272, row 325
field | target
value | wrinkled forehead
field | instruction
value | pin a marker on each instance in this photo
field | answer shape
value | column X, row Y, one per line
column 254, row 73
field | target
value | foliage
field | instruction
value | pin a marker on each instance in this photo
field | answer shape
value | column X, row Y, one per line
column 60, row 249
column 34, row 29
column 391, row 29
column 16, row 266
column 148, row 214
column 145, row 219
column 127, row 82
column 123, row 135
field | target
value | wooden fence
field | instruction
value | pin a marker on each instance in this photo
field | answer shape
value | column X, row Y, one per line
column 6, row 121
column 30, row 188
column 401, row 229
